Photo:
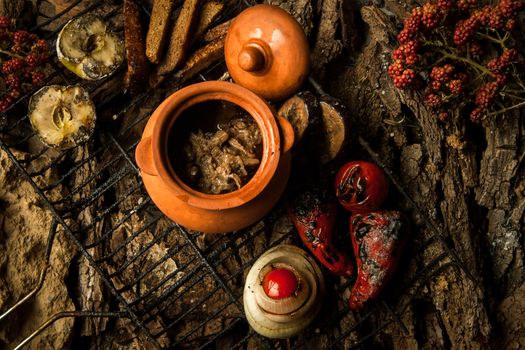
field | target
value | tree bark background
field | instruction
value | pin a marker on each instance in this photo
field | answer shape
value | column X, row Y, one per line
column 469, row 181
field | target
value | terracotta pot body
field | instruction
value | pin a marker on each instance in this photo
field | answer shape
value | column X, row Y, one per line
column 214, row 213
column 266, row 51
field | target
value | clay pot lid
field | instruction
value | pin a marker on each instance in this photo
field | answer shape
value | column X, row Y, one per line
column 266, row 51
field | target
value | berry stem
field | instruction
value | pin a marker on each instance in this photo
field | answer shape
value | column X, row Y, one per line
column 465, row 60
column 438, row 62
column 504, row 39
column 491, row 38
column 520, row 83
column 516, row 97
column 435, row 43
column 508, row 108
column 11, row 54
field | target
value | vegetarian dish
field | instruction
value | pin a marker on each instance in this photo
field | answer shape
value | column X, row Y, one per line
column 221, row 148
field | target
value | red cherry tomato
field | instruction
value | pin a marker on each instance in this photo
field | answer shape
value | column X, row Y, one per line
column 280, row 283
column 361, row 186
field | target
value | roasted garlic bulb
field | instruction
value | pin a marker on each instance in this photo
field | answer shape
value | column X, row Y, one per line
column 284, row 291
column 86, row 47
column 62, row 116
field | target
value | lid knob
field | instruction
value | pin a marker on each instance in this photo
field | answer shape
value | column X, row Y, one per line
column 252, row 58
column 266, row 51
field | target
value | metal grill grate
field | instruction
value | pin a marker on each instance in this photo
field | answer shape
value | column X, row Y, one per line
column 125, row 231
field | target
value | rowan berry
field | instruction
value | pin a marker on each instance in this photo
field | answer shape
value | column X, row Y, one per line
column 404, row 36
column 439, row 74
column 477, row 115
column 405, row 79
column 456, row 87
column 41, row 45
column 398, row 54
column 32, row 60
column 38, row 78
column 6, row 102
column 445, row 5
column 476, row 49
column 465, row 30
column 396, row 68
column 466, row 5
column 21, row 37
column 453, row 70
column 24, row 52
column 501, row 79
column 443, row 116
column 12, row 65
column 433, row 100
column 509, row 8
column 5, row 22
column 486, row 94
column 12, row 80
column 463, row 77
column 496, row 20
column 412, row 24
column 431, row 15
column 436, row 85
column 510, row 24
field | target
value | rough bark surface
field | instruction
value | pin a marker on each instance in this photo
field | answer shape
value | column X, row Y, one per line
column 11, row 8
column 467, row 179
column 24, row 227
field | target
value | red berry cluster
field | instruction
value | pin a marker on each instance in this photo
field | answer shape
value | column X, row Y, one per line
column 23, row 56
column 461, row 53
column 502, row 63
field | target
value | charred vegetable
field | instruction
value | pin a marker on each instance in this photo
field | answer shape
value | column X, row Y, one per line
column 304, row 113
column 89, row 49
column 361, row 186
column 335, row 128
column 62, row 116
column 313, row 213
column 377, row 239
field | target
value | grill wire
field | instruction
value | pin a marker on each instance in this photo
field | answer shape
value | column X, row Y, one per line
column 105, row 190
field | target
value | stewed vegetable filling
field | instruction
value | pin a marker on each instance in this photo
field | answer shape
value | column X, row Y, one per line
column 222, row 159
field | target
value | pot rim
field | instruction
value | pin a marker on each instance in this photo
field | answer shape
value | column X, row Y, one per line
column 170, row 110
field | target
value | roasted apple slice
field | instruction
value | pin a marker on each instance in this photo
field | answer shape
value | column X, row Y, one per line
column 62, row 116
column 89, row 49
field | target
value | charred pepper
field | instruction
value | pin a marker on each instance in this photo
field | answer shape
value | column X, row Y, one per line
column 377, row 240
column 313, row 213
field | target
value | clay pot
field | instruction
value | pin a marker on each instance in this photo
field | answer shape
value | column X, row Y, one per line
column 266, row 51
column 213, row 213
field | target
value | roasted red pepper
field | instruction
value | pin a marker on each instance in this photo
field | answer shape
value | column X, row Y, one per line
column 313, row 213
column 361, row 186
column 377, row 239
